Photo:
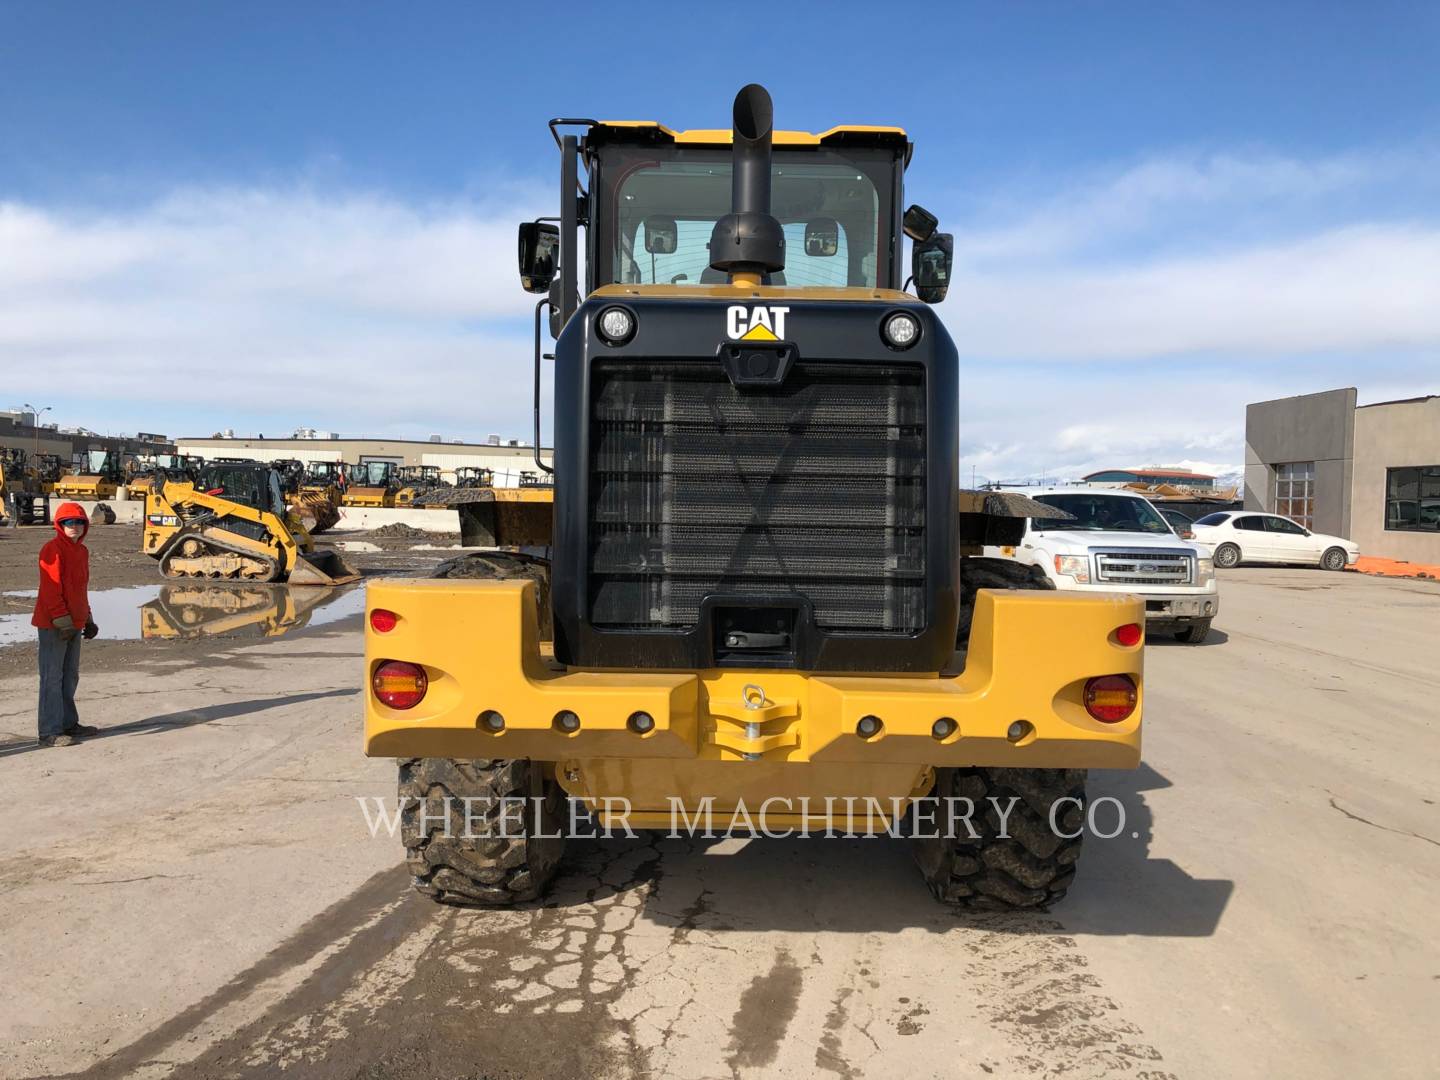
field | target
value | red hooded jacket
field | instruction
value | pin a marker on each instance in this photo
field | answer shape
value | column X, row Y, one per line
column 64, row 575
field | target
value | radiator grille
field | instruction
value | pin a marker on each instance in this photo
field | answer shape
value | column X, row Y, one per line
column 816, row 489
column 1145, row 567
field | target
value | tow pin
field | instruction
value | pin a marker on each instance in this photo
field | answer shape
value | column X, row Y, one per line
column 754, row 700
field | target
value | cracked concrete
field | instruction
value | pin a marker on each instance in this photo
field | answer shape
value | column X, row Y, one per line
column 209, row 898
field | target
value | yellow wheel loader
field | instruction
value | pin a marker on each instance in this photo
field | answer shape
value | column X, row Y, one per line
column 763, row 610
column 420, row 486
column 231, row 523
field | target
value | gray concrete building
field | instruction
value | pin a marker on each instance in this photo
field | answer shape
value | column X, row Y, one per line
column 18, row 430
column 1369, row 472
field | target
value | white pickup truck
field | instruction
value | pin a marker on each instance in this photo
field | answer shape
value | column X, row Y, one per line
column 1115, row 541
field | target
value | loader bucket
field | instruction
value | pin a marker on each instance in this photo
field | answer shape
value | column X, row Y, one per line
column 322, row 568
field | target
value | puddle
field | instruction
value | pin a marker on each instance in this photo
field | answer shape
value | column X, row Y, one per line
column 185, row 610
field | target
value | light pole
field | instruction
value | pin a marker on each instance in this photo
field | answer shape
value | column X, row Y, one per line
column 36, row 424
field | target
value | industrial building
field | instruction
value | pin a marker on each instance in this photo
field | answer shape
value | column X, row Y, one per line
column 1367, row 472
column 20, row 431
column 507, row 459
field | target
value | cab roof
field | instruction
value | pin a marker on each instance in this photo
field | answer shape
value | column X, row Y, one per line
column 652, row 132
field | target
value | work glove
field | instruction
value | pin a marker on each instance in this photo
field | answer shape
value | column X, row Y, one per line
column 66, row 626
column 90, row 630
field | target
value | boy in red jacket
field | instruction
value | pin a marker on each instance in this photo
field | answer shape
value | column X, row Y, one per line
column 62, row 617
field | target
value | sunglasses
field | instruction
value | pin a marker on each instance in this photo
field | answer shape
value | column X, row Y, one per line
column 66, row 522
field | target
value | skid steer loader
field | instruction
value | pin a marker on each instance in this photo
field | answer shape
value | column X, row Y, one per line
column 232, row 523
column 757, row 580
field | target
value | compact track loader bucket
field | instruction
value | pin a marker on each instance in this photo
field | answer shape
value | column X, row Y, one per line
column 322, row 568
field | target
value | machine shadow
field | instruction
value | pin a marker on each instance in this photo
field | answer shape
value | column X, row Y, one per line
column 871, row 885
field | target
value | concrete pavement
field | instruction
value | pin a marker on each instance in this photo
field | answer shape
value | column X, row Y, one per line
column 196, row 894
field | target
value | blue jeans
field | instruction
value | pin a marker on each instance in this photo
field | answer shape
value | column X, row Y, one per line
column 59, row 675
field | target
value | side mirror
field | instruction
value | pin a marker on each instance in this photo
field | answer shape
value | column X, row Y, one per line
column 919, row 223
column 822, row 238
column 930, row 265
column 662, row 235
column 539, row 242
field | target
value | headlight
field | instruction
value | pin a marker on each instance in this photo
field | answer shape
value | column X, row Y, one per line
column 1204, row 571
column 900, row 330
column 616, row 325
column 1074, row 566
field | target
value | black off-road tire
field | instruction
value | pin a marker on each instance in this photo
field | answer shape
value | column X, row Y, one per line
column 506, row 566
column 489, row 869
column 979, row 573
column 1334, row 559
column 1227, row 556
column 1030, row 870
column 1195, row 633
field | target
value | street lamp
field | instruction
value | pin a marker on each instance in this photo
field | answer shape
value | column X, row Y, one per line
column 37, row 413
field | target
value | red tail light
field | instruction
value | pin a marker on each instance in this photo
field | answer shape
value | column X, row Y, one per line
column 382, row 621
column 1110, row 698
column 399, row 685
column 1129, row 634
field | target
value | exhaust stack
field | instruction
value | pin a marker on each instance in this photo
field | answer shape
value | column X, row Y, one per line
column 749, row 242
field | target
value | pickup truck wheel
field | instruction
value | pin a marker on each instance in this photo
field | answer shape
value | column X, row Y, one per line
column 503, row 861
column 1030, row 867
column 1334, row 559
column 1227, row 555
column 1195, row 633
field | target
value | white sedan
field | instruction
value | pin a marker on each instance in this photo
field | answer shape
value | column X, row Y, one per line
column 1238, row 537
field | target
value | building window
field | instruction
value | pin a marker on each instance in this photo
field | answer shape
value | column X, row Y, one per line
column 1412, row 499
column 1295, row 491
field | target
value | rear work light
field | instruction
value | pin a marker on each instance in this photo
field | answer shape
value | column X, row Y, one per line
column 400, row 685
column 1128, row 635
column 382, row 621
column 1110, row 698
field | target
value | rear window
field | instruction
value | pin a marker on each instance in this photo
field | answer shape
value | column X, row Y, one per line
column 1213, row 519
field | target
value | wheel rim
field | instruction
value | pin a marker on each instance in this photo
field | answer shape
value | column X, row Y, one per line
column 1227, row 556
column 1333, row 560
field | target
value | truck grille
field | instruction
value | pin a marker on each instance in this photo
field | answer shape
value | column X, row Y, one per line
column 1145, row 567
column 816, row 488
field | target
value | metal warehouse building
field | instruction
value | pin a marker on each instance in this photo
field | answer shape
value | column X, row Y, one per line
column 506, row 460
column 1368, row 472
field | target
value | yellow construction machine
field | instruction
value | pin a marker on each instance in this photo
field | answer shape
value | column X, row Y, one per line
column 95, row 475
column 757, row 608
column 371, row 484
column 231, row 522
column 142, row 470
column 420, row 486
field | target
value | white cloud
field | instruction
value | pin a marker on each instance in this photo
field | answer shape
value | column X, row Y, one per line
column 1109, row 320
column 353, row 311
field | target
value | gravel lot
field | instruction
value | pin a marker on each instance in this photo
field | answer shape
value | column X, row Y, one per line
column 195, row 894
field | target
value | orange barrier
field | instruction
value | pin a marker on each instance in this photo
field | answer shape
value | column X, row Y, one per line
column 1373, row 564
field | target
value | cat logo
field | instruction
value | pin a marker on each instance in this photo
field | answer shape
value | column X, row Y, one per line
column 755, row 324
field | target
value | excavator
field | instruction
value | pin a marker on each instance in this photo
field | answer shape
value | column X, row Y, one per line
column 232, row 523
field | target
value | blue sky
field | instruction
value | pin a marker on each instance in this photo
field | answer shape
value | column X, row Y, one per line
column 1161, row 210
